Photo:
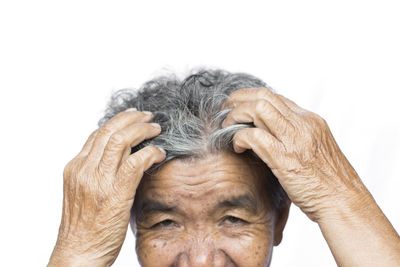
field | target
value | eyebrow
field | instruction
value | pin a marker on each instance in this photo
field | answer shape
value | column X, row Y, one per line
column 154, row 206
column 150, row 206
column 243, row 201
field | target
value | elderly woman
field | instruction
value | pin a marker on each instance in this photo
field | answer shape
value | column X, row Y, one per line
column 205, row 170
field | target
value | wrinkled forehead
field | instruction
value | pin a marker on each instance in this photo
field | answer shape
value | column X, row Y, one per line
column 215, row 177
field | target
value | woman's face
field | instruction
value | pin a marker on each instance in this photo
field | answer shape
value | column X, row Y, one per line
column 206, row 212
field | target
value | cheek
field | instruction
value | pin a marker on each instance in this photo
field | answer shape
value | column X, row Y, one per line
column 250, row 247
column 155, row 249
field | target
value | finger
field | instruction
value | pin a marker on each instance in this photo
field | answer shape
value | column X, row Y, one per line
column 266, row 146
column 115, row 124
column 121, row 142
column 253, row 94
column 131, row 171
column 88, row 144
column 262, row 114
column 292, row 105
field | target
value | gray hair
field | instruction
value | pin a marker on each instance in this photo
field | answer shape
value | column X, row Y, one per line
column 189, row 113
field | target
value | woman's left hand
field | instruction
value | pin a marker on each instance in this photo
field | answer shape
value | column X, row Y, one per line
column 299, row 148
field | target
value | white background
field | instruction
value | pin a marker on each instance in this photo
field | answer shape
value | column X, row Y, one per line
column 60, row 60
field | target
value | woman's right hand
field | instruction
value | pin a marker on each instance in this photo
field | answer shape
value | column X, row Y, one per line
column 99, row 188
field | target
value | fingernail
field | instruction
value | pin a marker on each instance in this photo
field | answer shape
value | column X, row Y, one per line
column 147, row 112
column 156, row 125
column 130, row 109
column 163, row 150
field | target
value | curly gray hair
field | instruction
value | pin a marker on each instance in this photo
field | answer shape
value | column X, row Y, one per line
column 190, row 115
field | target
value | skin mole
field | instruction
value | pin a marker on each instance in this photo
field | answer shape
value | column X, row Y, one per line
column 226, row 215
column 220, row 194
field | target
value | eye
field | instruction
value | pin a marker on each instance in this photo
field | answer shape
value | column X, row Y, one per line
column 165, row 223
column 233, row 220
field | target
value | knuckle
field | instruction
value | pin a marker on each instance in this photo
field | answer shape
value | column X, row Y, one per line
column 106, row 130
column 236, row 142
column 134, row 162
column 241, row 133
column 70, row 168
column 312, row 120
column 258, row 133
column 321, row 121
column 117, row 139
column 316, row 118
column 264, row 92
column 67, row 171
column 262, row 105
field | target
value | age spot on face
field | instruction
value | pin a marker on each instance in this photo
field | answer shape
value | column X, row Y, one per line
column 212, row 210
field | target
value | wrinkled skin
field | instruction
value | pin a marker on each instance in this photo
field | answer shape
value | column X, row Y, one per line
column 100, row 185
column 192, row 228
column 99, row 188
column 298, row 147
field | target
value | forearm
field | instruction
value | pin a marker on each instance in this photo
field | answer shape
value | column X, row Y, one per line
column 69, row 258
column 361, row 235
column 80, row 252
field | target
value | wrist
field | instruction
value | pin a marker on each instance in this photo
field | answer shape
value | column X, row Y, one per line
column 68, row 254
column 80, row 247
column 359, row 234
column 347, row 207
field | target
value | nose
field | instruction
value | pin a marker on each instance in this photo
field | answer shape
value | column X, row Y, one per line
column 201, row 256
